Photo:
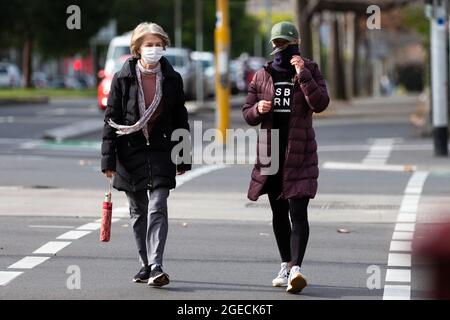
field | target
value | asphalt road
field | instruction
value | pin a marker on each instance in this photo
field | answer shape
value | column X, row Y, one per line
column 221, row 245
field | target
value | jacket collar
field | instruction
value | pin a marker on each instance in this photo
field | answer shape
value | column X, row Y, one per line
column 129, row 68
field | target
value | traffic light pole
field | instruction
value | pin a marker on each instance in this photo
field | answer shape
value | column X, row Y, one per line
column 439, row 73
column 222, row 50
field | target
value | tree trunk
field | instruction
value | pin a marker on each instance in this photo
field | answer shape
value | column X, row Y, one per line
column 338, row 62
column 356, row 65
column 304, row 19
column 27, row 65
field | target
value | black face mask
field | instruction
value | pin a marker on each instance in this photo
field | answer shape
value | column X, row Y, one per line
column 282, row 60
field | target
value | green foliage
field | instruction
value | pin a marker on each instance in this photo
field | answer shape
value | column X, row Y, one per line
column 130, row 13
column 415, row 19
column 44, row 22
column 24, row 94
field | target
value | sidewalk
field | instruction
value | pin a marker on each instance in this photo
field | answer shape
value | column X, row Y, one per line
column 400, row 107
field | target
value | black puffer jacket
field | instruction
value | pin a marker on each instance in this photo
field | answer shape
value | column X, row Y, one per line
column 139, row 166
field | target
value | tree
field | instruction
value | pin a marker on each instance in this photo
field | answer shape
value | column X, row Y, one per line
column 243, row 27
column 42, row 25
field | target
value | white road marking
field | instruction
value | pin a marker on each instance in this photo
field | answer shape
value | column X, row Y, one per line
column 28, row 263
column 399, row 260
column 191, row 175
column 50, row 227
column 73, row 235
column 393, row 292
column 402, row 235
column 379, row 152
column 398, row 275
column 408, row 227
column 30, row 145
column 52, row 112
column 52, row 247
column 404, row 246
column 364, row 147
column 402, row 240
column 90, row 226
column 7, row 119
column 407, row 217
column 7, row 276
column 367, row 167
column 112, row 220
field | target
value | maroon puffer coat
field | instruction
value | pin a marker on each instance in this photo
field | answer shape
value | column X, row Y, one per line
column 300, row 170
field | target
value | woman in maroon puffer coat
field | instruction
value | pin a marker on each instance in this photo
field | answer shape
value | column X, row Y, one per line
column 283, row 96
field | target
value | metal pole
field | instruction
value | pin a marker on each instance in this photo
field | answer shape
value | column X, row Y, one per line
column 268, row 9
column 222, row 49
column 439, row 56
column 178, row 27
column 199, row 48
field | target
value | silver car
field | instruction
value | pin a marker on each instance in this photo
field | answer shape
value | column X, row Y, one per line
column 9, row 75
column 180, row 59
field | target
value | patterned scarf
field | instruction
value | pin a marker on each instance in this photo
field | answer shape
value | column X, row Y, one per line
column 145, row 113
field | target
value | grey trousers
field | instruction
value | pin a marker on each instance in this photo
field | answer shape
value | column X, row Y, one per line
column 148, row 210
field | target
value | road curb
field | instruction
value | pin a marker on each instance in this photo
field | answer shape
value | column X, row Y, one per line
column 13, row 102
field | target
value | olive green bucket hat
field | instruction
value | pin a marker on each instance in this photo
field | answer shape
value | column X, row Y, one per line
column 284, row 30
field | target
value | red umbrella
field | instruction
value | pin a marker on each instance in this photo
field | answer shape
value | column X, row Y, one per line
column 105, row 231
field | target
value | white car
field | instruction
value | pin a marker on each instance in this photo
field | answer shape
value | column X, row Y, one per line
column 205, row 61
column 178, row 57
column 9, row 75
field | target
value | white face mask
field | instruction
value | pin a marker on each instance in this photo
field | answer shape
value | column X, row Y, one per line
column 152, row 55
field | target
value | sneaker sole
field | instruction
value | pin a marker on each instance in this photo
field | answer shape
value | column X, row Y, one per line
column 160, row 281
column 279, row 285
column 297, row 285
column 140, row 281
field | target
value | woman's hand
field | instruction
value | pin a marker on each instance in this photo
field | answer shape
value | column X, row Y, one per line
column 110, row 174
column 264, row 106
column 298, row 63
column 180, row 173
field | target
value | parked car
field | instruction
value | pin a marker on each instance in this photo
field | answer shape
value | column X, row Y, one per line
column 39, row 80
column 235, row 78
column 118, row 47
column 9, row 75
column 57, row 83
column 251, row 66
column 105, row 84
column 181, row 61
column 205, row 61
column 178, row 57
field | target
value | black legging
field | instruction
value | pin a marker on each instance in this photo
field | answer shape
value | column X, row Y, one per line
column 292, row 235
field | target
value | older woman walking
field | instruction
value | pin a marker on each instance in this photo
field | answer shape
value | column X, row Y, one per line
column 283, row 96
column 145, row 105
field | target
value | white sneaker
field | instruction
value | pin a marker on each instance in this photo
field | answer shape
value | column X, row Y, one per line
column 297, row 281
column 283, row 276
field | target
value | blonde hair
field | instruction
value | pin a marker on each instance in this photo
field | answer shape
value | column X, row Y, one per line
column 144, row 29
